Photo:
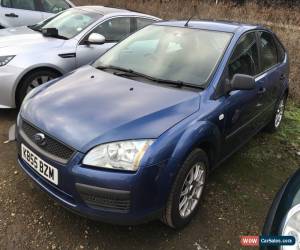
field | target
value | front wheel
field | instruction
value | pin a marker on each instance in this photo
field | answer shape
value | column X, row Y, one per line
column 186, row 194
column 33, row 80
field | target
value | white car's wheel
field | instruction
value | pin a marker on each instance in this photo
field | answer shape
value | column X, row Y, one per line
column 32, row 80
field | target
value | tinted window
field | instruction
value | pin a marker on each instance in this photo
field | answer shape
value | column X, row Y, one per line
column 115, row 29
column 54, row 6
column 22, row 4
column 143, row 22
column 6, row 3
column 268, row 51
column 280, row 51
column 245, row 57
column 170, row 53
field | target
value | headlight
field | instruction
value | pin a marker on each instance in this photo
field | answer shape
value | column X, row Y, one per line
column 124, row 155
column 292, row 227
column 5, row 60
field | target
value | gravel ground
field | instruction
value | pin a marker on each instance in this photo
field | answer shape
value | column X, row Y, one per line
column 236, row 202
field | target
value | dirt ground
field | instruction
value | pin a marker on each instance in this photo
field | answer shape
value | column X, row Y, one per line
column 238, row 197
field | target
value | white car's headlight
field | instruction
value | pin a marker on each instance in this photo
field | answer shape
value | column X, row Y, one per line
column 5, row 60
column 123, row 155
column 292, row 227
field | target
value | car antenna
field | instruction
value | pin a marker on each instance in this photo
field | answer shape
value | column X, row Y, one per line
column 187, row 23
column 195, row 12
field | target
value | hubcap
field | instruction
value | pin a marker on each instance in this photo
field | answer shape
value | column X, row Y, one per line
column 38, row 81
column 279, row 113
column 192, row 190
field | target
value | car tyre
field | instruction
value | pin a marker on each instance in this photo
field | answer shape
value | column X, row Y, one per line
column 173, row 214
column 275, row 123
column 32, row 80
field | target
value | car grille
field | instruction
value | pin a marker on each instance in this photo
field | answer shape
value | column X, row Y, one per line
column 61, row 152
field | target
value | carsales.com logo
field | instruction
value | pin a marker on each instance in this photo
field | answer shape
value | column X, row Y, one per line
column 255, row 241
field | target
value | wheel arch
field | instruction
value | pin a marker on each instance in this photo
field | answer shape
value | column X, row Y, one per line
column 211, row 151
column 201, row 135
column 30, row 71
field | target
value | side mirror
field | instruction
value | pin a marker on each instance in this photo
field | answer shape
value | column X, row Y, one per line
column 241, row 82
column 50, row 32
column 96, row 38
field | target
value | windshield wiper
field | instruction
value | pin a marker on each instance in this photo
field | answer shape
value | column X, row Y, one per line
column 132, row 73
column 119, row 69
column 179, row 84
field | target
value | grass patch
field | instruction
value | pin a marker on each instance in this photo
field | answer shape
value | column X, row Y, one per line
column 250, row 179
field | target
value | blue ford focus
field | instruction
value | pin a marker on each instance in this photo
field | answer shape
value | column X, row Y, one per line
column 133, row 136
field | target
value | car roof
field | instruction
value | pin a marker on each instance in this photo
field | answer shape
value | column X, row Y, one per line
column 216, row 25
column 108, row 10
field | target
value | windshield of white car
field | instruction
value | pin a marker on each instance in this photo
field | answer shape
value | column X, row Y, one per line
column 176, row 54
column 68, row 23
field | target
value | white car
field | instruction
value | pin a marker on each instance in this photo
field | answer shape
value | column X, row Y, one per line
column 33, row 55
column 15, row 13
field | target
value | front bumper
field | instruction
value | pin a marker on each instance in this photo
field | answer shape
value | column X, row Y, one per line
column 104, row 195
column 9, row 78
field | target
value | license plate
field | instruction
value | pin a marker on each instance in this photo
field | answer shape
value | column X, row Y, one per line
column 40, row 166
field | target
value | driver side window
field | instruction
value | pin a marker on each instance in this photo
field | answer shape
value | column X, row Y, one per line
column 244, row 59
column 114, row 30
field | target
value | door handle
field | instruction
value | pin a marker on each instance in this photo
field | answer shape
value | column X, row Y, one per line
column 282, row 77
column 261, row 91
column 11, row 15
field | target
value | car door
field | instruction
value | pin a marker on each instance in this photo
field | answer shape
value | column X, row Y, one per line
column 19, row 13
column 273, row 70
column 114, row 30
column 52, row 7
column 242, row 107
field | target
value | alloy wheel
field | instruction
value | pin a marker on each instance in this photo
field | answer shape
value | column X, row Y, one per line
column 192, row 190
column 38, row 81
column 279, row 113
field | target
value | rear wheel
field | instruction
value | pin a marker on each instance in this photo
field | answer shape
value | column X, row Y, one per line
column 186, row 194
column 278, row 115
column 33, row 80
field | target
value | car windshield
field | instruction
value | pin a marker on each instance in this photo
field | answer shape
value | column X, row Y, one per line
column 69, row 23
column 169, row 53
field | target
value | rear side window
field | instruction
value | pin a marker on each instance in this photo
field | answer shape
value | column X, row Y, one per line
column 244, row 59
column 280, row 51
column 54, row 6
column 268, row 51
column 6, row 3
column 116, row 29
column 143, row 22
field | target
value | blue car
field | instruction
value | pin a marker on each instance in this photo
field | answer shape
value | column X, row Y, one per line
column 133, row 136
